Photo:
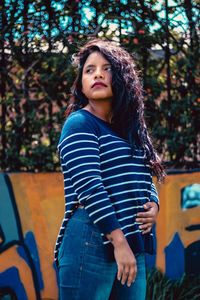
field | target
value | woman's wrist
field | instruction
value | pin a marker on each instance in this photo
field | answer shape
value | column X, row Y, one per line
column 116, row 237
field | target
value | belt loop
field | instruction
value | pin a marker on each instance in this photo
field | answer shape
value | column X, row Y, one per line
column 80, row 206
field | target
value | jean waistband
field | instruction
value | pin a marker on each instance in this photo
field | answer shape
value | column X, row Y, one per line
column 80, row 214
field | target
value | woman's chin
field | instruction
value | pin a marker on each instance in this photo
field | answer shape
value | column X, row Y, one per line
column 101, row 96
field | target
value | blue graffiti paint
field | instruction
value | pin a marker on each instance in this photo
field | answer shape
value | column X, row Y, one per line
column 190, row 196
column 174, row 258
column 11, row 232
column 32, row 247
column 10, row 227
column 10, row 278
column 192, row 259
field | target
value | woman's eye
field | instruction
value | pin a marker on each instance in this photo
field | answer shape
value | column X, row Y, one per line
column 108, row 69
column 89, row 71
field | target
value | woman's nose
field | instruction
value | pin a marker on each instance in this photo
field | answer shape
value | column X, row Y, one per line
column 98, row 73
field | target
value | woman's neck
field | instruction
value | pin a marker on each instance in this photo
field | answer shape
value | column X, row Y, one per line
column 101, row 111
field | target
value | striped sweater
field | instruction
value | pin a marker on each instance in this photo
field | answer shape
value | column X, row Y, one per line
column 102, row 174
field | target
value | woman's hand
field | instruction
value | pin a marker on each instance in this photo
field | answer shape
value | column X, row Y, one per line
column 126, row 262
column 147, row 218
column 125, row 259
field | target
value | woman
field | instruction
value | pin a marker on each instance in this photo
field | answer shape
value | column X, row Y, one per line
column 107, row 159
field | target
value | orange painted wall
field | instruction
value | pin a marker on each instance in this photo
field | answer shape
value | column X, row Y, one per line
column 40, row 202
column 39, row 199
column 171, row 217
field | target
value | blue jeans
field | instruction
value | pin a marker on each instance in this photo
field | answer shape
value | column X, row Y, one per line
column 86, row 273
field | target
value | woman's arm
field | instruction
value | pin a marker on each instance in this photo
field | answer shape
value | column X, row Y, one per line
column 79, row 152
column 125, row 259
column 148, row 217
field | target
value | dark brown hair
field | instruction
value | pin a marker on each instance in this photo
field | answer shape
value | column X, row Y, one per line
column 127, row 105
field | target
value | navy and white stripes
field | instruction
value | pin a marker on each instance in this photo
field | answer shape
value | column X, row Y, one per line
column 102, row 174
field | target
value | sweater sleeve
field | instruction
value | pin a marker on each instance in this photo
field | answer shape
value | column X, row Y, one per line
column 154, row 195
column 79, row 153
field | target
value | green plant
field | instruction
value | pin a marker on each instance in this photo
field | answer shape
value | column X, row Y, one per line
column 159, row 287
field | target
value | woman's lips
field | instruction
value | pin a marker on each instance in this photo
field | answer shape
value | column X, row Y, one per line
column 99, row 84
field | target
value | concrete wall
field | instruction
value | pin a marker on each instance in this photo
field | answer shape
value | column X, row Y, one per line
column 178, row 225
column 31, row 210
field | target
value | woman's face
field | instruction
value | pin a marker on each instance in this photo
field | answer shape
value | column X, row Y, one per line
column 97, row 78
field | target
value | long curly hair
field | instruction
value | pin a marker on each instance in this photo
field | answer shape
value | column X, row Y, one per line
column 127, row 105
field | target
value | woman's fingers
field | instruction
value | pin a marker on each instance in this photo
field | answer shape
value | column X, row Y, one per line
column 126, row 262
column 132, row 275
column 125, row 274
column 145, row 214
column 145, row 226
column 120, row 272
column 145, row 220
column 146, row 231
column 151, row 211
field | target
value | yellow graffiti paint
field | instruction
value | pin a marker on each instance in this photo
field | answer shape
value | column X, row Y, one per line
column 171, row 217
column 39, row 200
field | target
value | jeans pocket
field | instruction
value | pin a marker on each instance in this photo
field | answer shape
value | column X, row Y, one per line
column 95, row 239
column 94, row 245
column 62, row 247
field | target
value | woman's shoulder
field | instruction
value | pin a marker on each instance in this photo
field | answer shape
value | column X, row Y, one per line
column 78, row 122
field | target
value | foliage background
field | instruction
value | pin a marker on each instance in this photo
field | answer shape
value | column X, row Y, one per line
column 37, row 41
column 164, row 288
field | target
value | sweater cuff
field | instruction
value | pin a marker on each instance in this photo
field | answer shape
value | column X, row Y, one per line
column 108, row 224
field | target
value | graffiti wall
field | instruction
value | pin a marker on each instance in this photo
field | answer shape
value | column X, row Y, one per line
column 31, row 210
column 178, row 226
